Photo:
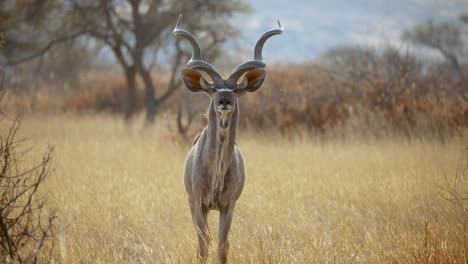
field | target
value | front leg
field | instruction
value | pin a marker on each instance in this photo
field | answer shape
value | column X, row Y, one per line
column 200, row 215
column 225, row 220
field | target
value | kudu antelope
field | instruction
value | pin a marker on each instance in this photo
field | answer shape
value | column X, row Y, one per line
column 214, row 169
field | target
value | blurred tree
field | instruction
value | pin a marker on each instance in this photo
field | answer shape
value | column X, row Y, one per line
column 351, row 65
column 61, row 63
column 31, row 29
column 58, row 70
column 464, row 18
column 346, row 55
column 2, row 74
column 445, row 37
column 136, row 30
column 353, row 71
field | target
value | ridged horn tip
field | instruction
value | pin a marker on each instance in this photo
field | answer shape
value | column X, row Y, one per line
column 178, row 23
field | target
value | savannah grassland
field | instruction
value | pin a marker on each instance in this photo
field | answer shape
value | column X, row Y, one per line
column 120, row 197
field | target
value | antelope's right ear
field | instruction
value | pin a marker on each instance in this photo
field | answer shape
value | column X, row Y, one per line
column 194, row 81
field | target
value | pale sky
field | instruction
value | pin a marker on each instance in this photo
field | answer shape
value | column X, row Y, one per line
column 313, row 26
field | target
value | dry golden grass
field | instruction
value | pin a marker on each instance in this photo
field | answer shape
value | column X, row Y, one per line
column 121, row 199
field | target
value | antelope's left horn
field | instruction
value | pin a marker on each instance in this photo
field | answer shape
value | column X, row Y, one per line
column 258, row 61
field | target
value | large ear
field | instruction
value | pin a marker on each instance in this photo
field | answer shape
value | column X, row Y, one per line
column 194, row 81
column 253, row 79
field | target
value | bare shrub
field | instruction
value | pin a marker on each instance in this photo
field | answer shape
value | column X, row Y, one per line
column 455, row 194
column 435, row 247
column 26, row 230
column 432, row 249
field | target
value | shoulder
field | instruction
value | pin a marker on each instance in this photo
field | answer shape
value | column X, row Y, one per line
column 198, row 136
column 196, row 139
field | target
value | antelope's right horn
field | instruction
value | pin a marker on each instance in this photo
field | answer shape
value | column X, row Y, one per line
column 195, row 61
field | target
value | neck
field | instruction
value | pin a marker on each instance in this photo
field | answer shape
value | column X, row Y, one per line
column 218, row 136
column 220, row 145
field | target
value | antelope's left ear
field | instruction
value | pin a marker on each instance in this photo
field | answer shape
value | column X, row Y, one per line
column 253, row 79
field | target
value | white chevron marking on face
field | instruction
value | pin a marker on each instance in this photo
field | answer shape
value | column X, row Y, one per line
column 224, row 90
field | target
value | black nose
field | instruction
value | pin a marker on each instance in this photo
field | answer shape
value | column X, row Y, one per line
column 224, row 102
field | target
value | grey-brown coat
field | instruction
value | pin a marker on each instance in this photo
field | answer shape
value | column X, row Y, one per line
column 214, row 172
